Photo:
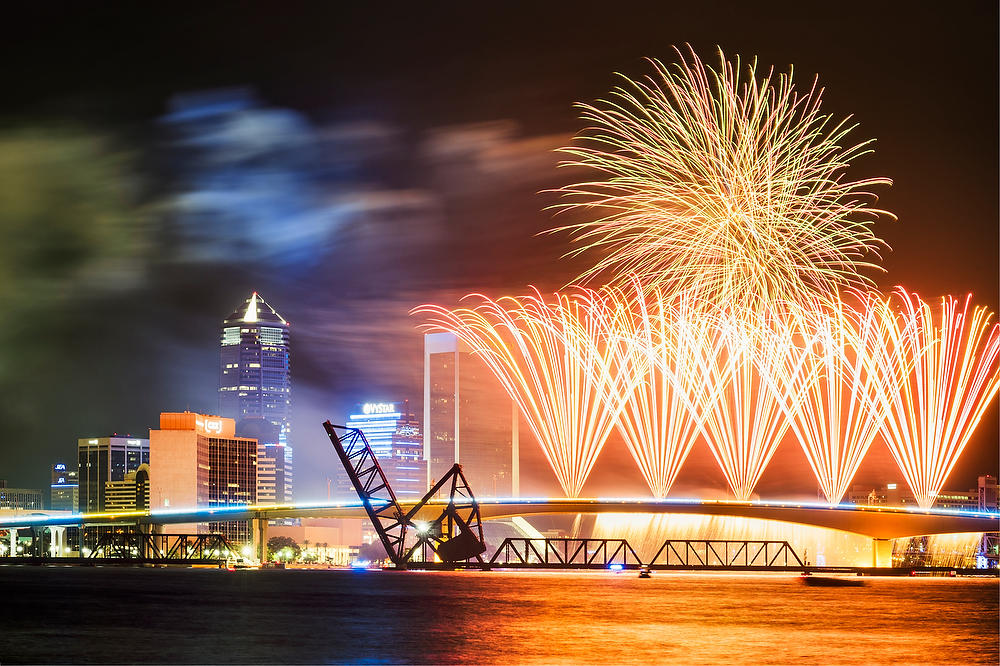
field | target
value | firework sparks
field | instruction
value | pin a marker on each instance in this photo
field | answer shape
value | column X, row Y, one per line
column 953, row 374
column 726, row 184
column 849, row 364
column 658, row 422
column 746, row 366
column 560, row 362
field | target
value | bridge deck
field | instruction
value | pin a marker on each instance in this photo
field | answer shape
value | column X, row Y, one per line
column 878, row 522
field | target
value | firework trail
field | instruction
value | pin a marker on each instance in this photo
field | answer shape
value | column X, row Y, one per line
column 849, row 364
column 725, row 183
column 746, row 366
column 953, row 374
column 560, row 361
column 658, row 421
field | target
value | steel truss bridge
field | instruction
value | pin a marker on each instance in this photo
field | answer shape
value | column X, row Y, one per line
column 571, row 553
column 122, row 545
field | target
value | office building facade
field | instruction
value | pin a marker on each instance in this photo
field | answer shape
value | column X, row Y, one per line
column 380, row 421
column 131, row 494
column 197, row 461
column 393, row 432
column 981, row 498
column 255, row 384
column 987, row 495
column 405, row 466
column 25, row 499
column 64, row 491
column 103, row 459
column 468, row 418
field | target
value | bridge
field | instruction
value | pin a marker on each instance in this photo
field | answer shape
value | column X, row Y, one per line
column 880, row 523
column 449, row 522
column 876, row 522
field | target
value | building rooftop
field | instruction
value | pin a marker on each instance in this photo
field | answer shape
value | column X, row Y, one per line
column 255, row 309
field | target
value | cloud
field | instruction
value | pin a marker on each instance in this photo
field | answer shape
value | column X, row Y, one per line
column 495, row 150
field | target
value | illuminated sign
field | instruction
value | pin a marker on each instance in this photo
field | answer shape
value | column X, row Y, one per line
column 60, row 466
column 210, row 426
column 890, row 486
column 378, row 408
column 133, row 442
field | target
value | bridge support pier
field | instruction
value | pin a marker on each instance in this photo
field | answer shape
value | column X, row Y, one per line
column 57, row 541
column 258, row 527
column 882, row 553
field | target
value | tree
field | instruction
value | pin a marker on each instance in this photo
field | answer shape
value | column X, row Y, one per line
column 282, row 547
column 372, row 552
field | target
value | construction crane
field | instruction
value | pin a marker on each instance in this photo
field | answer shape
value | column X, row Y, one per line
column 456, row 535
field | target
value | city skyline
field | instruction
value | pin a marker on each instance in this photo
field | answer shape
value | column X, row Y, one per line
column 460, row 214
column 563, row 332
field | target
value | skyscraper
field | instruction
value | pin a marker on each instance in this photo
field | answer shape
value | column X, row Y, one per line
column 255, row 385
column 468, row 419
column 196, row 460
column 65, row 488
column 393, row 432
column 103, row 459
column 379, row 421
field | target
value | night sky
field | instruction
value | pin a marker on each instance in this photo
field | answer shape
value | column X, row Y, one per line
column 369, row 160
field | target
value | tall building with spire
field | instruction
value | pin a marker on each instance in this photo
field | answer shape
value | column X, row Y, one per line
column 255, row 391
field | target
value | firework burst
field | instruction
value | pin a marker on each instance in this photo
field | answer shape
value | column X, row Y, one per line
column 726, row 183
column 952, row 375
column 850, row 363
column 562, row 363
column 658, row 421
column 746, row 366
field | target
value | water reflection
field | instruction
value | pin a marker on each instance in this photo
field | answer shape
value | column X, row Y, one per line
column 210, row 616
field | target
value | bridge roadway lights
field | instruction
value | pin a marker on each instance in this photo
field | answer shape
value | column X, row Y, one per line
column 882, row 553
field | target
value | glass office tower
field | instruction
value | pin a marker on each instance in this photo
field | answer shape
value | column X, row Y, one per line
column 103, row 459
column 468, row 419
column 255, row 384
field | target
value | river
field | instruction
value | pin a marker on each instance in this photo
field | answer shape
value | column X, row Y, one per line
column 120, row 615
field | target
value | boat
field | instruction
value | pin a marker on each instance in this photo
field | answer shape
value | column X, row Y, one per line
column 234, row 563
column 830, row 581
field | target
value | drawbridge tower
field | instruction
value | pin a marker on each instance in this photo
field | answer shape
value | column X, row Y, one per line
column 455, row 535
